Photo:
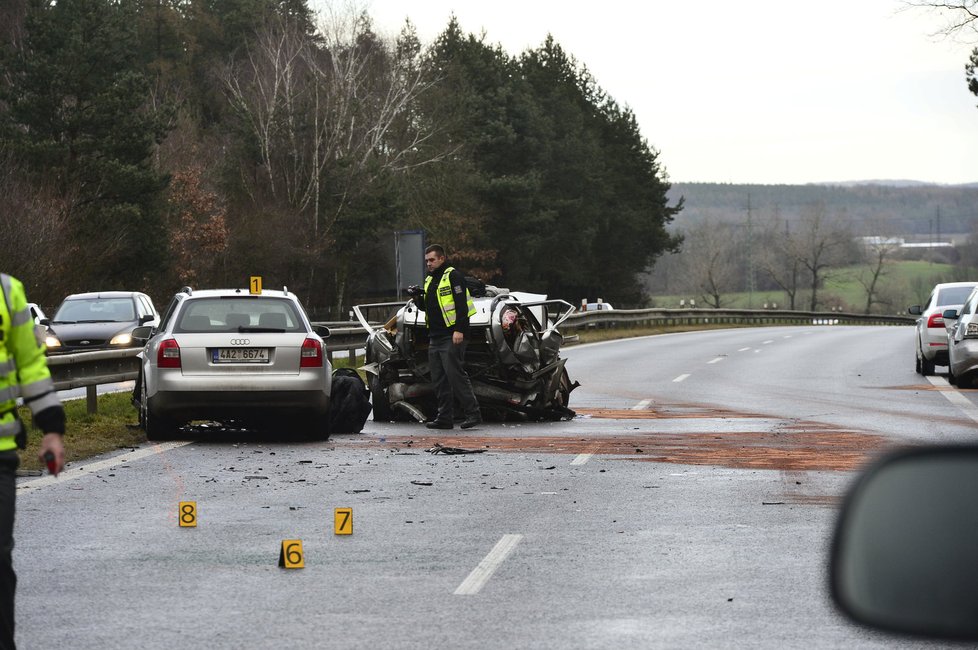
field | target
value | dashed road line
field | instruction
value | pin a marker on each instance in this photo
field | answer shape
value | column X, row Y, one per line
column 91, row 468
column 641, row 406
column 768, row 342
column 480, row 575
column 955, row 397
column 580, row 459
column 743, row 349
column 680, row 378
column 717, row 360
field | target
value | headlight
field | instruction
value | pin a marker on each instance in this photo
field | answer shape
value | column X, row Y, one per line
column 51, row 341
column 121, row 339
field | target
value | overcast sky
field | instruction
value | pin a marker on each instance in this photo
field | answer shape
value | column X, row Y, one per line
column 757, row 91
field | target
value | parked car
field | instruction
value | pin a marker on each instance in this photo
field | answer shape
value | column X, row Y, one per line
column 98, row 321
column 228, row 355
column 512, row 358
column 931, row 338
column 962, row 338
column 598, row 306
column 36, row 312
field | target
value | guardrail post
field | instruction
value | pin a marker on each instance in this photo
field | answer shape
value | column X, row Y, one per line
column 91, row 399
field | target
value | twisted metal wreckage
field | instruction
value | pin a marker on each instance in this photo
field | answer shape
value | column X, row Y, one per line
column 512, row 358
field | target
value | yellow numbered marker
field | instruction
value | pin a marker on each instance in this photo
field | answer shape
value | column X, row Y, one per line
column 343, row 521
column 290, row 557
column 188, row 514
column 255, row 284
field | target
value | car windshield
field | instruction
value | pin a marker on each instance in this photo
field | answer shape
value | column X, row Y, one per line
column 95, row 310
column 953, row 295
column 239, row 314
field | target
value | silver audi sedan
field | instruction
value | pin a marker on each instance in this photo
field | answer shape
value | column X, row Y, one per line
column 931, row 332
column 228, row 355
column 962, row 341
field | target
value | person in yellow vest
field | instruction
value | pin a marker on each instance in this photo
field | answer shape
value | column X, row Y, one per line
column 23, row 373
column 448, row 306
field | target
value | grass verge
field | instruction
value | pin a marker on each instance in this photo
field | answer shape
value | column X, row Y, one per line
column 113, row 427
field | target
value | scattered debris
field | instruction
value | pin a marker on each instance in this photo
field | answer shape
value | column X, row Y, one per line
column 356, row 491
column 421, row 483
column 248, row 478
column 772, row 503
column 451, row 451
column 551, row 467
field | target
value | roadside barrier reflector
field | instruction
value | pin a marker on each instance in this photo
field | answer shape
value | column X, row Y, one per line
column 188, row 514
column 343, row 521
column 290, row 556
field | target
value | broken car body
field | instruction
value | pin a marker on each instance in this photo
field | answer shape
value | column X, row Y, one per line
column 512, row 358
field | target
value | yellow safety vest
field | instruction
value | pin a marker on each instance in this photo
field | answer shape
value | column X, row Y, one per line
column 23, row 368
column 445, row 298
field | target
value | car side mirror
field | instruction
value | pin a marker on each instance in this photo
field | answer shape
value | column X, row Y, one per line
column 44, row 321
column 915, row 310
column 145, row 318
column 903, row 556
column 950, row 314
column 322, row 330
column 143, row 332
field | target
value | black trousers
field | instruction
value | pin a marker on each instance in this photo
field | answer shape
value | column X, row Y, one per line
column 445, row 362
column 8, row 579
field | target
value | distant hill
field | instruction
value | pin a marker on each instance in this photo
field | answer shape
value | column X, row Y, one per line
column 905, row 208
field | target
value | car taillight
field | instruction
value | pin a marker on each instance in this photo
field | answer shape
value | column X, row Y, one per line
column 168, row 356
column 311, row 355
column 936, row 320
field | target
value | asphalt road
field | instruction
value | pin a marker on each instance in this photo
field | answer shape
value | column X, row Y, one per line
column 689, row 504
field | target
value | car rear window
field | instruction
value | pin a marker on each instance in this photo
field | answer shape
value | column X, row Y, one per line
column 96, row 310
column 233, row 314
column 953, row 295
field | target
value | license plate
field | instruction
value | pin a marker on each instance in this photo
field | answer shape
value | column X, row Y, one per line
column 240, row 355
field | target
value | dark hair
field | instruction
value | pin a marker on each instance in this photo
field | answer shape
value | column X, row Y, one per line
column 437, row 249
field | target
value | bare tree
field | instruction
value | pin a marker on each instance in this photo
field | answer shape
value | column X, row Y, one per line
column 821, row 243
column 710, row 261
column 780, row 260
column 330, row 115
column 879, row 251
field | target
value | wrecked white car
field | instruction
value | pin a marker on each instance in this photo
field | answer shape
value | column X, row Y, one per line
column 512, row 358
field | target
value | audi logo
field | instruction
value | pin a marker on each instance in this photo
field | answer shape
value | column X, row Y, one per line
column 240, row 341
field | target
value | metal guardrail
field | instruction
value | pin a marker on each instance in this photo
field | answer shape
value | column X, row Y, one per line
column 89, row 369
column 672, row 317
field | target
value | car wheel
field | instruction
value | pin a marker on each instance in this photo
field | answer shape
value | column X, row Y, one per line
column 951, row 378
column 156, row 427
column 378, row 398
column 917, row 367
column 965, row 381
column 926, row 367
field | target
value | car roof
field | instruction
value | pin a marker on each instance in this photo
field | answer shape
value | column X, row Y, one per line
column 92, row 295
column 239, row 293
column 946, row 285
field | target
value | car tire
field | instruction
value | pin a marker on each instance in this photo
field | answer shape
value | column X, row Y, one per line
column 926, row 367
column 155, row 426
column 379, row 401
column 965, row 381
column 951, row 378
column 917, row 367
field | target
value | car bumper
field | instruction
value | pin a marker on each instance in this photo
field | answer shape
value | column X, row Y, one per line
column 933, row 345
column 964, row 360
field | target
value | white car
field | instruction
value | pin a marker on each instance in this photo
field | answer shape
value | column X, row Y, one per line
column 963, row 342
column 932, row 336
column 229, row 355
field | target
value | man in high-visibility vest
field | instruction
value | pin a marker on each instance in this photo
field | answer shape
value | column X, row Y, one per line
column 448, row 306
column 23, row 373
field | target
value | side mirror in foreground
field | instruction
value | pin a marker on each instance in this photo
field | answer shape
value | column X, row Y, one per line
column 905, row 552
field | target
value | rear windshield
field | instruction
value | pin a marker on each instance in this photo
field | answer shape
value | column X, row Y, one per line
column 953, row 295
column 239, row 314
column 95, row 310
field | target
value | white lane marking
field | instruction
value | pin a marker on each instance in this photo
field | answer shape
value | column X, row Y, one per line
column 743, row 349
column 91, row 468
column 680, row 378
column 787, row 337
column 641, row 406
column 767, row 342
column 580, row 459
column 717, row 360
column 481, row 574
column 955, row 397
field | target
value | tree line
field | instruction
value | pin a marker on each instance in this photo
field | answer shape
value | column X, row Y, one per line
column 150, row 144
